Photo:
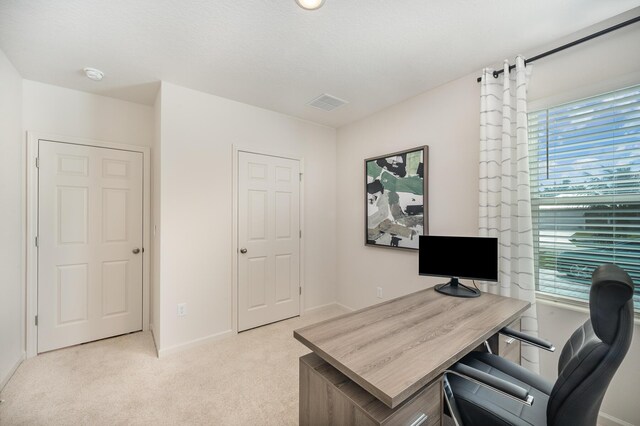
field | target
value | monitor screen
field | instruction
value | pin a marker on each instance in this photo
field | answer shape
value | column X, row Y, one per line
column 462, row 257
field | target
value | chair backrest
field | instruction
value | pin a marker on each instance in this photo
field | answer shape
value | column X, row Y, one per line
column 595, row 351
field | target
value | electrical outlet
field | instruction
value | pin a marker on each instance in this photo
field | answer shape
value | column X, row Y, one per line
column 379, row 292
column 182, row 309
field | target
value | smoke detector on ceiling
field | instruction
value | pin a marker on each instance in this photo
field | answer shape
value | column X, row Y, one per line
column 327, row 102
column 93, row 74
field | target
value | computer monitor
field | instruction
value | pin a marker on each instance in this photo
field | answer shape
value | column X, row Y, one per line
column 458, row 257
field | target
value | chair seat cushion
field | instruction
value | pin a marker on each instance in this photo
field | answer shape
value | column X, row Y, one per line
column 479, row 405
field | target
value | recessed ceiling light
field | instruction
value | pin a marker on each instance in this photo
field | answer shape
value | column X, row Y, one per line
column 310, row 4
column 93, row 74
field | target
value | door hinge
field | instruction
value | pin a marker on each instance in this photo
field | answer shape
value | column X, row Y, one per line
column 36, row 320
column 300, row 233
column 300, row 176
column 36, row 241
column 37, row 162
column 299, row 290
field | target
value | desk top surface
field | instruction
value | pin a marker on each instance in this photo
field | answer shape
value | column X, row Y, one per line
column 396, row 347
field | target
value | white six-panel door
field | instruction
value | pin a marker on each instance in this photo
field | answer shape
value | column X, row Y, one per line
column 89, row 243
column 268, row 239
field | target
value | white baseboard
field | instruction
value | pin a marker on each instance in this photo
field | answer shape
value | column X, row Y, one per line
column 4, row 380
column 327, row 305
column 195, row 342
column 605, row 419
column 155, row 341
column 348, row 308
column 315, row 308
column 319, row 307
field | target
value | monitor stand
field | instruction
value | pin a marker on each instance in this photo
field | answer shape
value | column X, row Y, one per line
column 457, row 289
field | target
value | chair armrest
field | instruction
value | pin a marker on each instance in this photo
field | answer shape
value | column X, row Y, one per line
column 531, row 340
column 491, row 382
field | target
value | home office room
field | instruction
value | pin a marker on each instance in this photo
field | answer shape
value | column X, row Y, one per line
column 319, row 212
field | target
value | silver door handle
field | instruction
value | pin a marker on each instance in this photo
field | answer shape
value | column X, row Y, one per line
column 135, row 250
column 243, row 250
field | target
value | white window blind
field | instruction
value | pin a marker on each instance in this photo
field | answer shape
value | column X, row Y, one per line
column 585, row 191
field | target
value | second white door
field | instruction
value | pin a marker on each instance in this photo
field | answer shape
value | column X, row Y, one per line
column 268, row 239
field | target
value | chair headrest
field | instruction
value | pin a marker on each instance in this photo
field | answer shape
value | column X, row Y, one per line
column 611, row 289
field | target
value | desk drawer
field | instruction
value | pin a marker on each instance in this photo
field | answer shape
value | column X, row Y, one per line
column 423, row 410
column 508, row 347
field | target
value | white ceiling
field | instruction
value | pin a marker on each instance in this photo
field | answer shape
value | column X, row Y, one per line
column 272, row 54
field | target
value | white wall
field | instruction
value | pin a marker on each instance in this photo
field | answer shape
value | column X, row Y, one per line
column 59, row 111
column 607, row 63
column 197, row 134
column 447, row 119
column 11, row 240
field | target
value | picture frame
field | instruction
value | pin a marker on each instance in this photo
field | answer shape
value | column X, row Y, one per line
column 396, row 199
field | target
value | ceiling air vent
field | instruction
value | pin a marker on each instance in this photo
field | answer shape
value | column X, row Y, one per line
column 327, row 102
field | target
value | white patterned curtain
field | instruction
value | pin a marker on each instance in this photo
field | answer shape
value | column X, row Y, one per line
column 505, row 197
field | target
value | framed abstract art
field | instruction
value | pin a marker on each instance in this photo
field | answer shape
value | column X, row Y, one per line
column 396, row 203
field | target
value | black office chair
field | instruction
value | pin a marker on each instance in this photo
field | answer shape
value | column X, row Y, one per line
column 484, row 389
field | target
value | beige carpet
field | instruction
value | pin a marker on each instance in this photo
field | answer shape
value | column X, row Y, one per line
column 251, row 378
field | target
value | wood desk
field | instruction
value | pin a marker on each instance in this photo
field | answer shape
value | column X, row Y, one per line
column 395, row 349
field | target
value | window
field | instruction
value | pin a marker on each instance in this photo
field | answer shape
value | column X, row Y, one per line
column 585, row 191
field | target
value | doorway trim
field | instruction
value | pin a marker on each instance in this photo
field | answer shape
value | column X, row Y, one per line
column 234, row 229
column 32, row 226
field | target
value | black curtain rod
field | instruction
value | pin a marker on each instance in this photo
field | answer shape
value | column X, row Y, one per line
column 568, row 45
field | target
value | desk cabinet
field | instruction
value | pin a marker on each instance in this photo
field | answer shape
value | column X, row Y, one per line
column 328, row 397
